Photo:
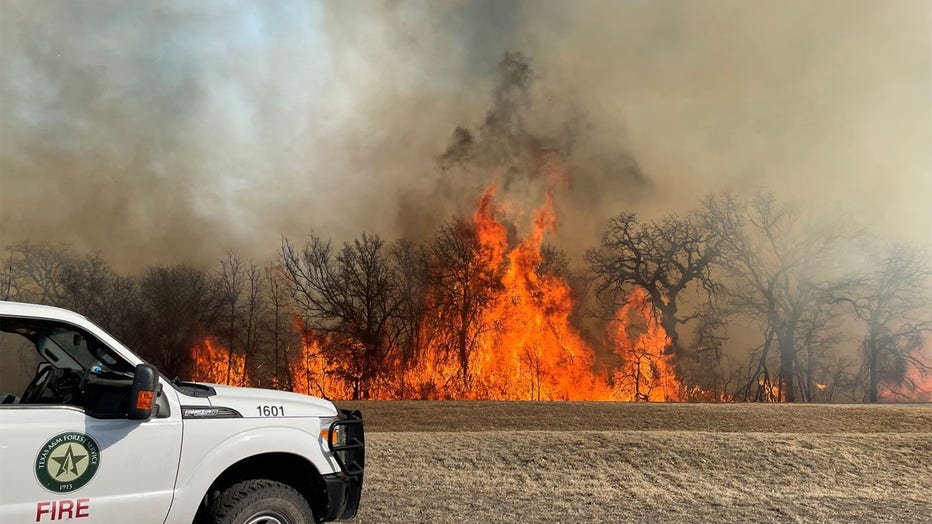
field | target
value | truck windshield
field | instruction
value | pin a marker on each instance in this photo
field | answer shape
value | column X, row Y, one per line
column 66, row 347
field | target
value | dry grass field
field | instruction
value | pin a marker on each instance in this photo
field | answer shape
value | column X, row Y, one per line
column 613, row 462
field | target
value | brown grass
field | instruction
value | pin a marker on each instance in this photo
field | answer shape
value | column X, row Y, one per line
column 610, row 462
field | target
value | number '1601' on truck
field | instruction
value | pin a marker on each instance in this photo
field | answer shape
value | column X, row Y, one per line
column 90, row 432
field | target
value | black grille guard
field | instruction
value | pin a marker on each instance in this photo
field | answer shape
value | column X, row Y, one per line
column 350, row 456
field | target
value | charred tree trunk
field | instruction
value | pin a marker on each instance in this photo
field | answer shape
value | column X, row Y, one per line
column 670, row 323
column 462, row 353
column 873, row 372
column 787, row 341
column 462, row 342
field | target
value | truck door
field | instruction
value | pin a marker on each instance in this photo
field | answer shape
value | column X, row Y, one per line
column 65, row 450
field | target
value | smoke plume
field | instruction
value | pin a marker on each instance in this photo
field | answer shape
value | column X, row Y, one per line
column 173, row 131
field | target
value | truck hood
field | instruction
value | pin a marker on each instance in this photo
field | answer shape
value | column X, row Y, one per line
column 250, row 401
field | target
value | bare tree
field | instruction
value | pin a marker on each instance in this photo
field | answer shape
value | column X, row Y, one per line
column 353, row 296
column 89, row 285
column 175, row 303
column 464, row 280
column 819, row 334
column 411, row 264
column 277, row 326
column 229, row 285
column 9, row 285
column 663, row 258
column 892, row 300
column 34, row 272
column 253, row 308
column 780, row 269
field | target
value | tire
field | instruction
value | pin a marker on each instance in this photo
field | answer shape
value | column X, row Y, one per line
column 260, row 501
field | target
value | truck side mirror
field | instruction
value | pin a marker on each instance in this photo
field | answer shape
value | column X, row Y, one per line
column 142, row 397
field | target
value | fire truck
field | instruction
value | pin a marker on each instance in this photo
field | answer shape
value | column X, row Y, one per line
column 90, row 432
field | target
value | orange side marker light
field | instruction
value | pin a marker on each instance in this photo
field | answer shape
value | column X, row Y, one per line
column 144, row 399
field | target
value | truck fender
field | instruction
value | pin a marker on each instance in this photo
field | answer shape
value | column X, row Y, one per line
column 194, row 479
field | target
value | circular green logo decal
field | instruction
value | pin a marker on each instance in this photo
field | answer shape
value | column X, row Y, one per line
column 67, row 461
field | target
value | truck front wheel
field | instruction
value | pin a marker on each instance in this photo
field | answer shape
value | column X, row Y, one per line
column 260, row 501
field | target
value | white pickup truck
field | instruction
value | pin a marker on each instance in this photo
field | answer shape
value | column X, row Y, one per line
column 95, row 434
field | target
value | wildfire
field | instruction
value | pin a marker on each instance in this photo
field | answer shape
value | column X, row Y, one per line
column 518, row 344
column 528, row 349
column 217, row 365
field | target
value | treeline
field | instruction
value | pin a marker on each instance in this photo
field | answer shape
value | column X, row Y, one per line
column 757, row 299
column 164, row 311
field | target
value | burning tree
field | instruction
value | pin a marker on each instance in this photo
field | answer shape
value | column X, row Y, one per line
column 411, row 262
column 647, row 370
column 314, row 370
column 229, row 289
column 516, row 336
column 175, row 305
column 532, row 320
column 466, row 267
column 352, row 297
column 661, row 259
column 275, row 325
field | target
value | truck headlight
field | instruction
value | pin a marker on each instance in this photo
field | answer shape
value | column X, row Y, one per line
column 337, row 436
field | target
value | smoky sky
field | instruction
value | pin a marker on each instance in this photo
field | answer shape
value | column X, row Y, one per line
column 173, row 131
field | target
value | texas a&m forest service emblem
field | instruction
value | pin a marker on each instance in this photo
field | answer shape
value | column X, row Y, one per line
column 67, row 461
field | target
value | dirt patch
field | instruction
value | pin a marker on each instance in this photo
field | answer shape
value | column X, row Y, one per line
column 825, row 463
column 621, row 416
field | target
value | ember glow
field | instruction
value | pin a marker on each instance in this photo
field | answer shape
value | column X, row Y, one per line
column 917, row 386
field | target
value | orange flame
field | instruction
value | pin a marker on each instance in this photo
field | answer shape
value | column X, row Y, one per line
column 318, row 370
column 309, row 370
column 525, row 347
column 215, row 364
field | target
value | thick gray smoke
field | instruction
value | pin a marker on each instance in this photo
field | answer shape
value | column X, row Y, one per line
column 173, row 131
column 518, row 151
